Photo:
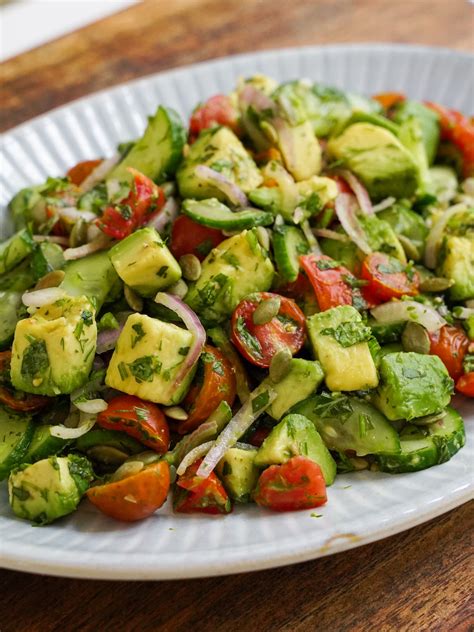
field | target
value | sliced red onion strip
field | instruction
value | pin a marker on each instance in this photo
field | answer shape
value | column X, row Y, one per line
column 100, row 243
column 86, row 422
column 99, row 173
column 250, row 96
column 107, row 339
column 73, row 213
column 193, row 324
column 463, row 313
column 381, row 206
column 234, row 194
column 38, row 298
column 236, row 428
column 54, row 239
column 346, row 215
column 92, row 406
column 192, row 456
column 168, row 214
column 435, row 235
column 330, row 234
column 399, row 311
column 312, row 241
column 359, row 190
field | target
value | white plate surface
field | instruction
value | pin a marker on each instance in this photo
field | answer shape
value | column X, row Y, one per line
column 362, row 507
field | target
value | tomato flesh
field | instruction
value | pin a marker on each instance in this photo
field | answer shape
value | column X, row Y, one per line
column 135, row 497
column 465, row 384
column 17, row 400
column 189, row 237
column 215, row 383
column 450, row 344
column 195, row 494
column 459, row 130
column 218, row 110
column 297, row 484
column 82, row 170
column 387, row 278
column 259, row 343
column 388, row 99
column 141, row 420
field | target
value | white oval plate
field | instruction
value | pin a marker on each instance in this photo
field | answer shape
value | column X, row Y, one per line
column 362, row 507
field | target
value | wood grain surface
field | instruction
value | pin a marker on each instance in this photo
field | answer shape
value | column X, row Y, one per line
column 415, row 581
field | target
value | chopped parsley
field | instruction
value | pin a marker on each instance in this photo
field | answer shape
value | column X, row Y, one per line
column 250, row 341
column 348, row 333
column 35, row 359
column 145, row 368
column 139, row 333
column 333, row 407
column 261, row 401
column 163, row 271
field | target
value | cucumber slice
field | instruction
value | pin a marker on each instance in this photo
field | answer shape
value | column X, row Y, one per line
column 16, row 433
column 448, row 434
column 112, row 438
column 214, row 214
column 289, row 243
column 15, row 249
column 10, row 309
column 350, row 423
column 46, row 258
column 158, row 152
column 43, row 445
column 19, row 279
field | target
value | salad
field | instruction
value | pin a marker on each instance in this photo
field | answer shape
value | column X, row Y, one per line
column 239, row 311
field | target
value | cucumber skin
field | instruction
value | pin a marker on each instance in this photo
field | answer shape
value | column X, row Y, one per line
column 17, row 455
column 286, row 240
column 238, row 220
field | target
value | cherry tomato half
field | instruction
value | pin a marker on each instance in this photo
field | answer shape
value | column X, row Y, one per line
column 134, row 497
column 259, row 343
column 388, row 278
column 141, row 420
column 465, row 384
column 82, row 170
column 194, row 494
column 297, row 484
column 17, row 400
column 459, row 130
column 218, row 110
column 450, row 344
column 189, row 237
column 214, row 383
column 388, row 99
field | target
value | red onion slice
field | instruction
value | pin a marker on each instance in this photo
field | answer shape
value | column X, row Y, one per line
column 245, row 417
column 234, row 194
column 99, row 173
column 62, row 241
column 107, row 339
column 310, row 237
column 73, row 213
column 100, row 243
column 249, row 96
column 192, row 456
column 359, row 190
column 168, row 214
column 346, row 214
column 193, row 324
column 86, row 422
column 399, row 311
column 38, row 298
column 435, row 236
column 381, row 206
column 330, row 234
column 92, row 406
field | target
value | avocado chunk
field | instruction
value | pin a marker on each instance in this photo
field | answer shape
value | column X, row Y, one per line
column 236, row 267
column 378, row 158
column 221, row 150
column 158, row 152
column 50, row 488
column 412, row 385
column 427, row 120
column 407, row 223
column 457, row 263
column 296, row 435
column 238, row 472
column 143, row 262
column 53, row 350
column 443, row 182
column 349, row 423
column 16, row 433
column 339, row 340
column 147, row 359
column 300, row 149
column 15, row 249
column 302, row 380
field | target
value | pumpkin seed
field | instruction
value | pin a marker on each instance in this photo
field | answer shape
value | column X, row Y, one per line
column 179, row 289
column 107, row 454
column 52, row 279
column 176, row 412
column 263, row 237
column 415, row 338
column 146, row 457
column 435, row 284
column 427, row 420
column 358, row 463
column 280, row 365
column 78, row 234
column 129, row 468
column 409, row 247
column 266, row 310
column 134, row 301
column 191, row 267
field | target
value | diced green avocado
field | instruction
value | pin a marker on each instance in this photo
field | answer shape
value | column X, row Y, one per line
column 46, row 257
column 147, row 359
column 300, row 149
column 238, row 472
column 93, row 276
column 221, row 150
column 411, row 136
column 349, row 423
column 16, row 433
column 393, row 347
column 325, row 189
column 50, row 488
column 412, row 385
column 370, row 117
column 11, row 310
column 406, row 222
column 44, row 444
column 296, row 435
column 53, row 350
column 428, row 121
column 457, row 263
column 142, row 260
column 158, row 152
column 378, row 158
column 15, row 249
column 236, row 267
column 339, row 339
column 302, row 380
column 443, row 182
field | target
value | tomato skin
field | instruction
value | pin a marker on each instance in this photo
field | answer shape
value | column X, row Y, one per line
column 189, row 237
column 28, row 403
column 144, row 200
column 465, row 384
column 330, row 282
column 297, row 484
column 218, row 385
column 450, row 344
column 259, row 343
column 82, row 170
column 135, row 497
column 195, row 494
column 218, row 110
column 141, row 420
column 383, row 286
column 259, row 436
column 459, row 130
column 388, row 99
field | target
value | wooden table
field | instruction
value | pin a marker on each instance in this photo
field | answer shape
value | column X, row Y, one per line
column 417, row 580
